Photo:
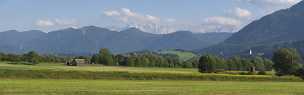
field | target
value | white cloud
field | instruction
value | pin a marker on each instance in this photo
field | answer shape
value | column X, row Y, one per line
column 128, row 16
column 44, row 23
column 66, row 22
column 171, row 20
column 155, row 24
column 220, row 24
column 242, row 13
column 152, row 18
column 60, row 23
column 111, row 13
column 128, row 12
column 145, row 22
column 220, row 20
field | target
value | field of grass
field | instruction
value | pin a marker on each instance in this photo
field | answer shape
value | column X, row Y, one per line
column 58, row 79
column 96, row 68
column 154, row 87
column 60, row 71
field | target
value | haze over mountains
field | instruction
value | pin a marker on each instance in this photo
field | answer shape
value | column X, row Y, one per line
column 88, row 40
column 283, row 28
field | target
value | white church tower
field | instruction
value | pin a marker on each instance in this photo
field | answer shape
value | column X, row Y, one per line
column 250, row 52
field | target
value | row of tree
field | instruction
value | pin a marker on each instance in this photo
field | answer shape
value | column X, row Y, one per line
column 142, row 59
column 285, row 61
column 30, row 57
column 212, row 64
column 105, row 57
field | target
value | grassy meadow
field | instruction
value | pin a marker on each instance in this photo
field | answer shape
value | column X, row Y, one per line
column 151, row 87
column 60, row 71
column 95, row 68
column 58, row 79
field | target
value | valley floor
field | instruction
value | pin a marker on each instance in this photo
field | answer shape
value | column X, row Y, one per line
column 57, row 79
column 152, row 87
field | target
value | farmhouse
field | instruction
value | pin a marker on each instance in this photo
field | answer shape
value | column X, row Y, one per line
column 77, row 62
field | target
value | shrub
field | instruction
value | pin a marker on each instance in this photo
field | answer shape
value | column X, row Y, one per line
column 251, row 73
column 247, row 73
column 262, row 73
column 22, row 63
column 13, row 63
column 243, row 73
column 300, row 73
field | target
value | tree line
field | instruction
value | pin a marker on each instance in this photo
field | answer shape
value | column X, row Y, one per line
column 105, row 57
column 31, row 57
column 285, row 61
column 140, row 59
column 213, row 64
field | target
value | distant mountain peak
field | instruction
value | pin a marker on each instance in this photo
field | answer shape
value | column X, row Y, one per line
column 93, row 28
column 68, row 29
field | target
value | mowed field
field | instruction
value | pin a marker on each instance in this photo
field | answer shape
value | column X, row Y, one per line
column 57, row 79
column 151, row 87
column 96, row 68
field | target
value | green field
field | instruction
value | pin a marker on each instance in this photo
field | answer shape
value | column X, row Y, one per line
column 58, row 79
column 95, row 68
column 129, row 87
column 93, row 72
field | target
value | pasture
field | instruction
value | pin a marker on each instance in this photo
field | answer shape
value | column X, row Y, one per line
column 151, row 87
column 93, row 72
column 58, row 79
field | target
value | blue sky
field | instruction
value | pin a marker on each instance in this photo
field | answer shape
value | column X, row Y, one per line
column 155, row 16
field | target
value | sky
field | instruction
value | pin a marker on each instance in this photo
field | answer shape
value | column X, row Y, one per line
column 153, row 16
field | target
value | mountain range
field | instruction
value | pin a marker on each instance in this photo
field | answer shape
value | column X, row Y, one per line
column 88, row 40
column 283, row 28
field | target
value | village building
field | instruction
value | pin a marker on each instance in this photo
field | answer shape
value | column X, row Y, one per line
column 77, row 62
